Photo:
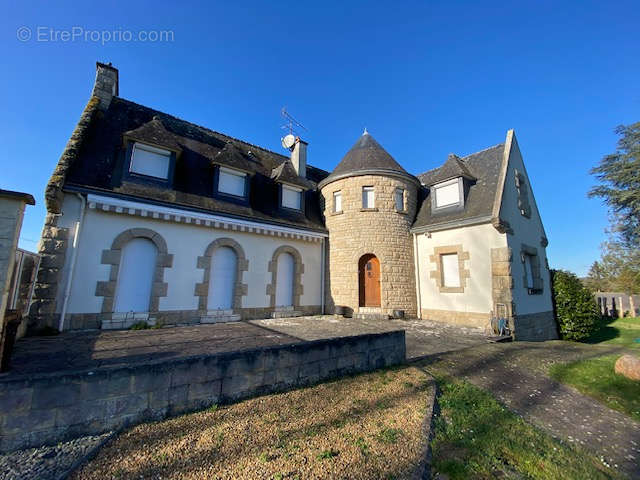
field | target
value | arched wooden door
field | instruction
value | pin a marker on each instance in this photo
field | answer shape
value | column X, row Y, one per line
column 135, row 276
column 369, row 280
column 284, row 280
column 222, row 279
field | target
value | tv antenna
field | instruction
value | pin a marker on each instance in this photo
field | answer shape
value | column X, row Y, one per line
column 292, row 125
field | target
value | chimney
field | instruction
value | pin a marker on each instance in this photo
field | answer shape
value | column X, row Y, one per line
column 106, row 84
column 299, row 157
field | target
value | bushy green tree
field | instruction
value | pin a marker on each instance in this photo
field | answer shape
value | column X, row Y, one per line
column 619, row 178
column 576, row 309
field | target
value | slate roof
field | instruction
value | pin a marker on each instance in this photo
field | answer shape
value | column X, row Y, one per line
column 484, row 169
column 99, row 166
column 25, row 197
column 286, row 173
column 366, row 154
column 454, row 167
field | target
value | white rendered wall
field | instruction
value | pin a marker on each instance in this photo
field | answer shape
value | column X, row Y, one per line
column 478, row 240
column 525, row 230
column 186, row 242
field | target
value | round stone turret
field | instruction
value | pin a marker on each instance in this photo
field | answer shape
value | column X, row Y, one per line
column 369, row 204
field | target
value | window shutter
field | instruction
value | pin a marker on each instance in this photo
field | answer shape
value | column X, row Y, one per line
column 399, row 199
column 447, row 195
column 232, row 183
column 291, row 197
column 150, row 161
column 450, row 270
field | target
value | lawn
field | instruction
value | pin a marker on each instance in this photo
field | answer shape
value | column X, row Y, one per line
column 476, row 437
column 596, row 377
column 368, row 426
column 621, row 331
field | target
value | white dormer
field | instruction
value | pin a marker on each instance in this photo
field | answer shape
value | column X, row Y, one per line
column 449, row 194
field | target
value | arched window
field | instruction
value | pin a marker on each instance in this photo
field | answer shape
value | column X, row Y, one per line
column 222, row 279
column 284, row 280
column 135, row 276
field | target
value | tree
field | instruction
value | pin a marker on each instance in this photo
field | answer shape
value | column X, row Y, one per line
column 598, row 279
column 576, row 310
column 621, row 264
column 619, row 177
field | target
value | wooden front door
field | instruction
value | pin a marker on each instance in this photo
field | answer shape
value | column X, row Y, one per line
column 369, row 274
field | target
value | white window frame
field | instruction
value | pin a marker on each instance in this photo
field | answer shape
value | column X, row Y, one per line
column 235, row 173
column 337, row 195
column 398, row 194
column 448, row 183
column 291, row 189
column 150, row 149
column 365, row 197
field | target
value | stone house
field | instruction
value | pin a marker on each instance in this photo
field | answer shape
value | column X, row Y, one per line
column 153, row 218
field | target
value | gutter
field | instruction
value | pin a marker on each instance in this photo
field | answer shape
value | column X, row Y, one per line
column 454, row 224
column 186, row 208
column 74, row 256
column 369, row 171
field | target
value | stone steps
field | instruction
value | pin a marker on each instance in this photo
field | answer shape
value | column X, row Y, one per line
column 286, row 314
column 371, row 316
column 220, row 318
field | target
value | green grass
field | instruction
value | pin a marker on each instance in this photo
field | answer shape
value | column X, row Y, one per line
column 476, row 437
column 596, row 377
column 621, row 331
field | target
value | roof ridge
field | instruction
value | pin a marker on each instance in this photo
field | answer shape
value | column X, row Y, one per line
column 461, row 158
column 483, row 150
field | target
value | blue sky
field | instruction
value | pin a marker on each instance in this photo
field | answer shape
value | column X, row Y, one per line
column 425, row 78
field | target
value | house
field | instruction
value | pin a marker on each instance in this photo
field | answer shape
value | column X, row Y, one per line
column 152, row 218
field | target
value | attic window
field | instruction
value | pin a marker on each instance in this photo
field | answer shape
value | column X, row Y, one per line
column 291, row 197
column 150, row 161
column 448, row 194
column 232, row 182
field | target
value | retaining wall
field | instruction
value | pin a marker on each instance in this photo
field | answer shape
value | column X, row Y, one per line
column 47, row 408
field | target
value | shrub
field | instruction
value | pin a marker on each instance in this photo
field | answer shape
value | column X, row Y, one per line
column 575, row 307
column 142, row 325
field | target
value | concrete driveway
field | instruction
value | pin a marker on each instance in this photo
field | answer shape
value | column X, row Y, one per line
column 423, row 337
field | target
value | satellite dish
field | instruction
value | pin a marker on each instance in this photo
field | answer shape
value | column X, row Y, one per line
column 288, row 141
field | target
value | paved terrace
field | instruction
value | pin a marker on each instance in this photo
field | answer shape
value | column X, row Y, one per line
column 74, row 351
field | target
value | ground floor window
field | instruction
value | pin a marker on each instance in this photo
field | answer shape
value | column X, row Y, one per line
column 135, row 276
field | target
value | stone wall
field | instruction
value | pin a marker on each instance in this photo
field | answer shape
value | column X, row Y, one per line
column 45, row 409
column 535, row 327
column 382, row 231
column 502, row 283
column 463, row 319
column 11, row 213
column 53, row 250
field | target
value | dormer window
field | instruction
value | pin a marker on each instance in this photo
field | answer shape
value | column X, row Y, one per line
column 150, row 161
column 291, row 197
column 448, row 194
column 232, row 182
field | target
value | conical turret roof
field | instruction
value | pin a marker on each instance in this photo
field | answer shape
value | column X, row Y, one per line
column 366, row 155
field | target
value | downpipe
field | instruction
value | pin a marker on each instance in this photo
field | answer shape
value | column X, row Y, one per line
column 72, row 266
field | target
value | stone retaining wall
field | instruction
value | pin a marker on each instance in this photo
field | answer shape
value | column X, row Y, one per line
column 44, row 409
